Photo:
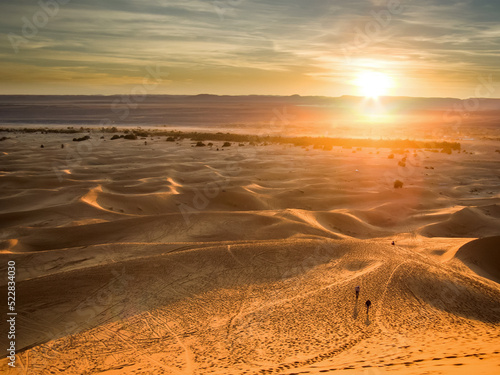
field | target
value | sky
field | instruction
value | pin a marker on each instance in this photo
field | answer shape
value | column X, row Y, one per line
column 427, row 48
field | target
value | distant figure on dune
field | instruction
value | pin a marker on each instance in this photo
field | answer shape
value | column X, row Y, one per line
column 393, row 243
column 356, row 289
column 368, row 303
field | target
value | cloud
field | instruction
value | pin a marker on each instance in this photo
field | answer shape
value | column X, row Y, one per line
column 212, row 42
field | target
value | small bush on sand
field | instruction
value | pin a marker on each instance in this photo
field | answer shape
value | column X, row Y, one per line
column 200, row 144
column 116, row 136
column 130, row 136
column 398, row 184
column 170, row 139
column 402, row 163
column 226, row 144
column 391, row 156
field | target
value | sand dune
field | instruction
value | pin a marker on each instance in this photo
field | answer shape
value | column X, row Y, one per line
column 483, row 255
column 167, row 258
column 468, row 222
column 262, row 306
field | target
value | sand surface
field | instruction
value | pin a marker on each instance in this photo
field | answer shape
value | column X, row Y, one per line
column 171, row 259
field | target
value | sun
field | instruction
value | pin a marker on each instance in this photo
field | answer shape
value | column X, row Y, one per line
column 373, row 84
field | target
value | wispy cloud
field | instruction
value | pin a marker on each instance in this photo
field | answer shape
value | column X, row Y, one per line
column 258, row 46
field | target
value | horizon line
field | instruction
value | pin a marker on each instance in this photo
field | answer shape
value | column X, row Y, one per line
column 257, row 95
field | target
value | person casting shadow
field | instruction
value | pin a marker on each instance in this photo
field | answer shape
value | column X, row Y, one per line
column 368, row 303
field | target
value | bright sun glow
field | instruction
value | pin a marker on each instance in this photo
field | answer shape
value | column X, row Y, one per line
column 373, row 84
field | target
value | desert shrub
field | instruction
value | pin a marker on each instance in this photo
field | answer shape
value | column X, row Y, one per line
column 241, row 144
column 226, row 144
column 81, row 139
column 131, row 136
column 402, row 163
column 391, row 156
column 170, row 139
column 200, row 144
column 446, row 150
column 398, row 184
column 116, row 136
column 210, row 144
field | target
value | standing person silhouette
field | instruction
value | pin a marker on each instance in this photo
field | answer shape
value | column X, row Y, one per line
column 356, row 289
column 368, row 303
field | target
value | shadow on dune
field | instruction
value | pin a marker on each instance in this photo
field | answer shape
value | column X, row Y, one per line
column 482, row 256
column 355, row 313
column 78, row 300
column 457, row 295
